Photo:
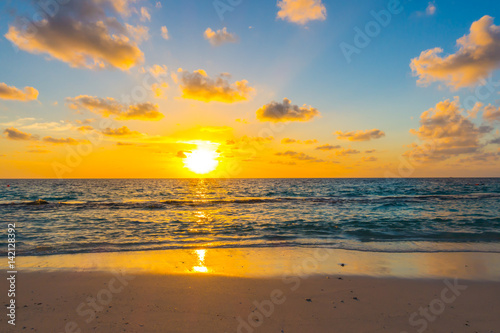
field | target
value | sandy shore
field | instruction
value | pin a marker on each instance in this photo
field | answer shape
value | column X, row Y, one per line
column 93, row 300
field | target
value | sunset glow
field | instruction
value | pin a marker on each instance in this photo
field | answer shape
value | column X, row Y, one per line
column 202, row 160
column 360, row 95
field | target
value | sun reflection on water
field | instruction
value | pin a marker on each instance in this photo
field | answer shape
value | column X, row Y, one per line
column 201, row 268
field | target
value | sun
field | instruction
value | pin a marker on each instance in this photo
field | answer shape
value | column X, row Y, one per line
column 202, row 160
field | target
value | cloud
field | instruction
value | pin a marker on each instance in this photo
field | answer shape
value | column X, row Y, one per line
column 346, row 152
column 327, row 147
column 85, row 128
column 141, row 111
column 138, row 33
column 13, row 93
column 49, row 126
column 81, row 35
column 281, row 112
column 121, row 132
column 478, row 56
column 198, row 86
column 158, row 70
column 160, row 73
column 431, row 9
column 182, row 154
column 299, row 156
column 38, row 151
column 283, row 162
column 15, row 134
column 110, row 107
column 360, row 135
column 446, row 132
column 18, row 122
column 495, row 141
column 158, row 5
column 491, row 113
column 145, row 16
column 478, row 158
column 164, row 33
column 307, row 142
column 369, row 159
column 63, row 141
column 301, row 11
column 219, row 37
column 288, row 141
column 125, row 144
column 85, row 121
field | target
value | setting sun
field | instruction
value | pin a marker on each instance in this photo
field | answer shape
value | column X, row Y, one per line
column 202, row 160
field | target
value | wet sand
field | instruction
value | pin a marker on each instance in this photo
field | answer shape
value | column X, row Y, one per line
column 91, row 296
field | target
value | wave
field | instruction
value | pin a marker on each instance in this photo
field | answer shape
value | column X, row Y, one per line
column 422, row 246
column 384, row 200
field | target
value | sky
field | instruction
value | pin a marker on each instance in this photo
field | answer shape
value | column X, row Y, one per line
column 242, row 89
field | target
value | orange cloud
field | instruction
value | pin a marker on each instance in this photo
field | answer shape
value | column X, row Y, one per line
column 445, row 133
column 110, row 107
column 81, row 35
column 13, row 93
column 198, row 86
column 478, row 55
column 369, row 159
column 219, row 37
column 281, row 112
column 63, row 141
column 121, row 132
column 327, row 147
column 164, row 33
column 307, row 142
column 17, row 135
column 360, row 135
column 299, row 156
column 491, row 113
column 346, row 152
column 85, row 128
column 301, row 11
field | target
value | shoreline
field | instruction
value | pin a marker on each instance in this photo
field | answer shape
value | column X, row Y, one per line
column 272, row 262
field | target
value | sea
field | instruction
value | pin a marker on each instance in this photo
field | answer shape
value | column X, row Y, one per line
column 387, row 215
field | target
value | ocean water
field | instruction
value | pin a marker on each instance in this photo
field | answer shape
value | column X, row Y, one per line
column 401, row 215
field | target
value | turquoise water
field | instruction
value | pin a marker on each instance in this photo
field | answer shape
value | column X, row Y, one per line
column 78, row 216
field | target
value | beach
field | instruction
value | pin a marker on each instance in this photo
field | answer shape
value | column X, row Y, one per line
column 258, row 290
